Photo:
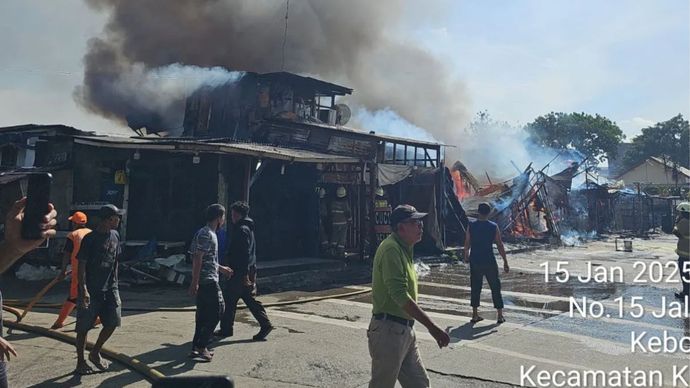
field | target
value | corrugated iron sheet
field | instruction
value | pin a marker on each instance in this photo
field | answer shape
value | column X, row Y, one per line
column 248, row 149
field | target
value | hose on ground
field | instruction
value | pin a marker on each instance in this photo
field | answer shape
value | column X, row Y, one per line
column 151, row 374
column 21, row 303
column 130, row 362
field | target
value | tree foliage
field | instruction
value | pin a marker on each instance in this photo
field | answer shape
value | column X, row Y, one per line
column 483, row 123
column 593, row 136
column 669, row 140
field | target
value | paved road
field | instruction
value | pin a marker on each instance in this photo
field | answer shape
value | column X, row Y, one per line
column 323, row 344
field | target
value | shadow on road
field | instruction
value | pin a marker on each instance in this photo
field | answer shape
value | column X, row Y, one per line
column 470, row 331
column 74, row 381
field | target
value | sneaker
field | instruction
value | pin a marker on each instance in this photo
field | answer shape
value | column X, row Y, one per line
column 263, row 333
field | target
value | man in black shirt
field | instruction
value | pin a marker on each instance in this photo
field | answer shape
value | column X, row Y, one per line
column 242, row 260
column 98, row 286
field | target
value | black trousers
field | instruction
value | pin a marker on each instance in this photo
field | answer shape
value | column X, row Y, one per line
column 3, row 364
column 3, row 375
column 477, row 273
column 209, row 309
column 234, row 290
column 684, row 275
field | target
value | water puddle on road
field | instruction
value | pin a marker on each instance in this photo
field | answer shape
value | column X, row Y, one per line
column 529, row 300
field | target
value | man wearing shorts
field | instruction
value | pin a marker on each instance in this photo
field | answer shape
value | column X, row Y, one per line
column 98, row 286
column 74, row 238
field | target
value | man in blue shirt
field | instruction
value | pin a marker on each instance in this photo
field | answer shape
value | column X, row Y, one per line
column 479, row 253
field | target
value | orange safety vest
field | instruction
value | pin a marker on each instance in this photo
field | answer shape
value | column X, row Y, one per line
column 76, row 236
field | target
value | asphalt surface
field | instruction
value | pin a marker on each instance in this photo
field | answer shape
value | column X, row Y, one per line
column 323, row 344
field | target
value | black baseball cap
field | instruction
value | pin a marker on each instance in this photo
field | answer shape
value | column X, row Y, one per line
column 405, row 212
column 109, row 211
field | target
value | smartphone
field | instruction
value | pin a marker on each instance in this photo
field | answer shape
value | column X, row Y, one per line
column 37, row 200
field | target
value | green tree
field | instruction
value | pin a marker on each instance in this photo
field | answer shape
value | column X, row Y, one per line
column 593, row 136
column 669, row 140
column 483, row 122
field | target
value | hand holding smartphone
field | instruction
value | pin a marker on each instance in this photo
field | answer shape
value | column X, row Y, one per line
column 27, row 226
column 37, row 206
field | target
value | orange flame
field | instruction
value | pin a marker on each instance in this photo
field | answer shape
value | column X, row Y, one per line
column 522, row 227
column 460, row 189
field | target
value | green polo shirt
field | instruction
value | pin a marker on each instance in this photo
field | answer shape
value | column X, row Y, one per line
column 394, row 280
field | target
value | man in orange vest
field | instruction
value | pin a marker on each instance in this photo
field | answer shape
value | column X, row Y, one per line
column 79, row 230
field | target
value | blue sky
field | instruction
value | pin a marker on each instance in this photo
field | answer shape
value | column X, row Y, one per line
column 627, row 60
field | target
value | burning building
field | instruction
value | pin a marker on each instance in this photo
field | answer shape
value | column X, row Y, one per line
column 271, row 139
column 528, row 206
column 292, row 111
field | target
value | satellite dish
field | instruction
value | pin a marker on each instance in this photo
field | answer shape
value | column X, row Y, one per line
column 343, row 114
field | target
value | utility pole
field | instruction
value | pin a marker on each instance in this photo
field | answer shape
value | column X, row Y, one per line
column 285, row 33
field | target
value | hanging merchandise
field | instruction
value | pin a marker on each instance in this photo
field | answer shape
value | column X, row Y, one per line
column 120, row 177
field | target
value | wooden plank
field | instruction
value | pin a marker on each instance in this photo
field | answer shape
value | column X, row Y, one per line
column 350, row 146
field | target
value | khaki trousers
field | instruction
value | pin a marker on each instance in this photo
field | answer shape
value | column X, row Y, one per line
column 394, row 356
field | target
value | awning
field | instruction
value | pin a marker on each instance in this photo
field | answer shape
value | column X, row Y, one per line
column 191, row 146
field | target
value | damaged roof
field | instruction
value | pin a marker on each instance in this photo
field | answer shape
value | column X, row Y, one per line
column 214, row 146
column 320, row 87
column 340, row 128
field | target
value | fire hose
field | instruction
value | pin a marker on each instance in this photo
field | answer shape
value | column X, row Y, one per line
column 152, row 374
column 130, row 362
column 149, row 373
column 39, row 296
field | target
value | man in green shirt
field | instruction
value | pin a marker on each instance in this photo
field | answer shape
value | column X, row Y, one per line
column 392, row 340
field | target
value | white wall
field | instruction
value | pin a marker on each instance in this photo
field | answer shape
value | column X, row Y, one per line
column 652, row 172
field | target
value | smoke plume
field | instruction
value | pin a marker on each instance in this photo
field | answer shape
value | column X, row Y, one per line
column 349, row 42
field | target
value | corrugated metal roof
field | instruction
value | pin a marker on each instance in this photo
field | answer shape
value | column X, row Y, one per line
column 376, row 136
column 321, row 87
column 39, row 127
column 190, row 146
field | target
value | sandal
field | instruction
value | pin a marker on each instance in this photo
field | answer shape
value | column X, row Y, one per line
column 475, row 320
column 99, row 362
column 83, row 370
column 205, row 355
